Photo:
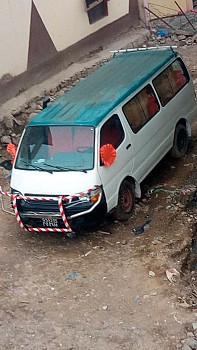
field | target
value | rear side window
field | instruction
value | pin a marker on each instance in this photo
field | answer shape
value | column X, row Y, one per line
column 170, row 81
column 141, row 108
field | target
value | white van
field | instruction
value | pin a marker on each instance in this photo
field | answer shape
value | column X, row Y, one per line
column 86, row 154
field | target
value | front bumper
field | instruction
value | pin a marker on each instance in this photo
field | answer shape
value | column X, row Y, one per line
column 46, row 214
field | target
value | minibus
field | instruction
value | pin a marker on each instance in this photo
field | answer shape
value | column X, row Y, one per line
column 86, row 154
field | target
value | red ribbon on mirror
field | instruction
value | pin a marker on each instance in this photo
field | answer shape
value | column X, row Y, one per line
column 11, row 148
column 108, row 154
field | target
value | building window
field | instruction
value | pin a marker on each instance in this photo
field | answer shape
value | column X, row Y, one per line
column 96, row 9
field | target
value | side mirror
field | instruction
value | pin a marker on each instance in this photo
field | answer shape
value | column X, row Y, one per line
column 45, row 102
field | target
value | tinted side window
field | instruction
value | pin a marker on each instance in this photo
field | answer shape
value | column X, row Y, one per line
column 170, row 81
column 112, row 132
column 141, row 108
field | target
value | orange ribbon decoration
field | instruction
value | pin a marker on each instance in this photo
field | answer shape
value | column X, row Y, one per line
column 108, row 154
column 11, row 148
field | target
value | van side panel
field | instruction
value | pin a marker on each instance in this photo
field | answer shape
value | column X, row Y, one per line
column 155, row 138
column 112, row 176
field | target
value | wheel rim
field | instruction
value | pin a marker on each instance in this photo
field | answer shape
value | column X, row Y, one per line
column 126, row 201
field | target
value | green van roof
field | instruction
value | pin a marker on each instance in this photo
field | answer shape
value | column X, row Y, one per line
column 95, row 96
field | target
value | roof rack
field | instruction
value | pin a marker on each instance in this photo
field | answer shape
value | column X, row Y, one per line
column 143, row 49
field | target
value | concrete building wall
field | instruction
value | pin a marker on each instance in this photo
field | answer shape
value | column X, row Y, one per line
column 14, row 35
column 68, row 22
column 164, row 8
column 32, row 31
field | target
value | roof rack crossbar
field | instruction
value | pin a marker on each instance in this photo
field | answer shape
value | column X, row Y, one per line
column 143, row 49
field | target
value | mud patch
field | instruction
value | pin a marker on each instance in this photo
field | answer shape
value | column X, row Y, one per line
column 188, row 282
column 190, row 262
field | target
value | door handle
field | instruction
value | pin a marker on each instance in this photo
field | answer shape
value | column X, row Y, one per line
column 128, row 146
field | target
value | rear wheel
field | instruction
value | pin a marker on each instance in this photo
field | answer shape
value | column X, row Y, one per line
column 126, row 201
column 181, row 140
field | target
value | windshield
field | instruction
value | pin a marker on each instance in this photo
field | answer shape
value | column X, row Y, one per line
column 57, row 148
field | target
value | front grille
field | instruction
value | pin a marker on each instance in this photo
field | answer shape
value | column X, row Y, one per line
column 51, row 206
column 37, row 206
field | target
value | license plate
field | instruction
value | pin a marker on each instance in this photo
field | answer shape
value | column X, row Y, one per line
column 49, row 222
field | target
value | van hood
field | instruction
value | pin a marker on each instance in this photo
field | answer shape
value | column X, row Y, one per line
column 57, row 183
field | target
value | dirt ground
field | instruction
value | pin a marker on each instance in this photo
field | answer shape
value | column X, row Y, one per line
column 106, row 289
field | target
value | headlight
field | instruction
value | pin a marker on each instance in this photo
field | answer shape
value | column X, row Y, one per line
column 95, row 194
column 15, row 192
column 84, row 198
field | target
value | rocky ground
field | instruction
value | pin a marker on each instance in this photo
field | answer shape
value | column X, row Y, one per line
column 109, row 288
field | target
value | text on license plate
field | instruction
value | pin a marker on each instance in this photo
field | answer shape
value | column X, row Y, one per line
column 49, row 222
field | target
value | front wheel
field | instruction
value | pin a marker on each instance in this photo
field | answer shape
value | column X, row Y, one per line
column 126, row 201
column 181, row 141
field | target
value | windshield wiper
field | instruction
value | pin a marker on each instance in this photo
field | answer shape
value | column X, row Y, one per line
column 36, row 167
column 67, row 169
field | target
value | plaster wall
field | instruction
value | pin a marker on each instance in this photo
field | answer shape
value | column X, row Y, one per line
column 168, row 7
column 65, row 22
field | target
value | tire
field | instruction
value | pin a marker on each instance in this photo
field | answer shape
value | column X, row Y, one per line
column 181, row 140
column 126, row 201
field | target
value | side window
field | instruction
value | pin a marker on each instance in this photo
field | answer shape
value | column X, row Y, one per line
column 170, row 81
column 96, row 10
column 141, row 108
column 178, row 75
column 112, row 132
